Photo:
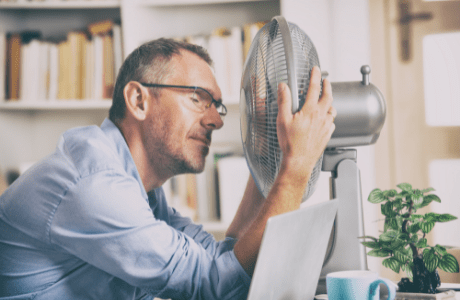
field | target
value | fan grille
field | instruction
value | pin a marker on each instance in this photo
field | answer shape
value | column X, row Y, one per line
column 265, row 67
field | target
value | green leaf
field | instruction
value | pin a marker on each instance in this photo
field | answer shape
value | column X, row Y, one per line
column 372, row 245
column 422, row 243
column 431, row 217
column 417, row 199
column 431, row 260
column 413, row 239
column 397, row 244
column 440, row 249
column 425, row 201
column 376, row 196
column 394, row 224
column 430, row 189
column 415, row 217
column 399, row 197
column 431, row 197
column 387, row 210
column 392, row 263
column 446, row 218
column 414, row 228
column 409, row 272
column 368, row 237
column 399, row 221
column 390, row 193
column 448, row 263
column 389, row 236
column 397, row 204
column 379, row 253
column 401, row 256
column 404, row 236
column 405, row 186
column 427, row 226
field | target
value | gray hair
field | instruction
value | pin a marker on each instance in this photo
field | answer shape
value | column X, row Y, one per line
column 150, row 60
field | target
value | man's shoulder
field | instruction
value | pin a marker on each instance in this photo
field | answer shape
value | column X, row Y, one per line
column 89, row 149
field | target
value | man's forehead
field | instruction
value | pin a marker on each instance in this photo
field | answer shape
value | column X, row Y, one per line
column 191, row 69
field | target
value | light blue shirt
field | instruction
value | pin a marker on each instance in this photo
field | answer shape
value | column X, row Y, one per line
column 80, row 225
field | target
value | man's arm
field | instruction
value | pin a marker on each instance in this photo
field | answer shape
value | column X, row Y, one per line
column 247, row 210
column 302, row 138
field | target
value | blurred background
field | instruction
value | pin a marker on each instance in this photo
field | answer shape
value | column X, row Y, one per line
column 59, row 60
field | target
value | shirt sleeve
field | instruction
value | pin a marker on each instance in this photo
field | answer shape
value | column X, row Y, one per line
column 105, row 221
column 162, row 211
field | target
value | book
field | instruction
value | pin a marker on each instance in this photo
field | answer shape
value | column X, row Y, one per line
column 14, row 43
column 3, row 49
column 108, row 67
column 53, row 84
column 249, row 32
column 43, row 78
column 101, row 27
column 107, row 57
column 30, row 71
column 76, row 66
column 64, row 74
column 117, row 48
column 98, row 66
column 225, row 47
column 180, row 193
column 207, row 183
column 233, row 174
column 89, row 70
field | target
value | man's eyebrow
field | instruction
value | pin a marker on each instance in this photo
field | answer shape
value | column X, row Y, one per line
column 207, row 90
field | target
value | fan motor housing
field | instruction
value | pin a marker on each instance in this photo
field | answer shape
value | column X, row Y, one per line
column 361, row 113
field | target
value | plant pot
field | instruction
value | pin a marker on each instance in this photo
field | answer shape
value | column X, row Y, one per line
column 413, row 296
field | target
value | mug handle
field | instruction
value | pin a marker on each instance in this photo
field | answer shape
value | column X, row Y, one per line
column 390, row 286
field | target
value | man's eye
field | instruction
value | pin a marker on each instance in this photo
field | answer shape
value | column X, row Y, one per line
column 194, row 98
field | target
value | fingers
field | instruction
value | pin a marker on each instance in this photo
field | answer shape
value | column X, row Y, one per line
column 332, row 112
column 313, row 102
column 284, row 101
column 314, row 88
column 326, row 97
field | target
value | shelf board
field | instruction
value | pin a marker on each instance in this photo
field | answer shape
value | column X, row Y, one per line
column 77, row 4
column 56, row 105
column 192, row 2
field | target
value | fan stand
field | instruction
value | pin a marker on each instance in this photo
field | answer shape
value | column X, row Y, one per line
column 345, row 252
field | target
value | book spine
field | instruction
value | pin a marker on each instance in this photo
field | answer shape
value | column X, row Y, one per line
column 76, row 68
column 14, row 63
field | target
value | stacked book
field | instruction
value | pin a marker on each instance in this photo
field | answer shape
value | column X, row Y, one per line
column 228, row 48
column 25, row 1
column 83, row 66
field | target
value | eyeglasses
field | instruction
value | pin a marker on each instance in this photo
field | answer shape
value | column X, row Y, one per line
column 200, row 97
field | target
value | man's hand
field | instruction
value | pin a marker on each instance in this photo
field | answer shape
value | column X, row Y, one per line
column 303, row 136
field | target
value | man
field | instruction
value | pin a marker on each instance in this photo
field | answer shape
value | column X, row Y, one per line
column 91, row 220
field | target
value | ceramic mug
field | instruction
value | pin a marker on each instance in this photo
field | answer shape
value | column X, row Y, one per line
column 362, row 285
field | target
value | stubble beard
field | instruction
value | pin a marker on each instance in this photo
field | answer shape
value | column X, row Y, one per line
column 165, row 154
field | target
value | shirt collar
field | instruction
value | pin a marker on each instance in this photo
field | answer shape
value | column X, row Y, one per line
column 114, row 133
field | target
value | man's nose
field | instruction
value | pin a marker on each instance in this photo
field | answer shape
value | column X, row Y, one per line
column 212, row 118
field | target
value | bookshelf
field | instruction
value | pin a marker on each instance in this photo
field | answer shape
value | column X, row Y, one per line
column 60, row 4
column 57, row 105
column 30, row 130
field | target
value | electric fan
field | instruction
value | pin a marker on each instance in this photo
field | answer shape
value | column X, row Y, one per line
column 282, row 52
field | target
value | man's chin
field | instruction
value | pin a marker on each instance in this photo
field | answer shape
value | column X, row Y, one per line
column 197, row 165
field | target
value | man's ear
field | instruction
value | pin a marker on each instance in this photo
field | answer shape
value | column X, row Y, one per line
column 136, row 100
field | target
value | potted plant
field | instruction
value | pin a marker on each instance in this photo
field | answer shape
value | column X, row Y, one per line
column 403, row 241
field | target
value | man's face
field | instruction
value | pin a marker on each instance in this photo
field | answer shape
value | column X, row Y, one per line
column 176, row 133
